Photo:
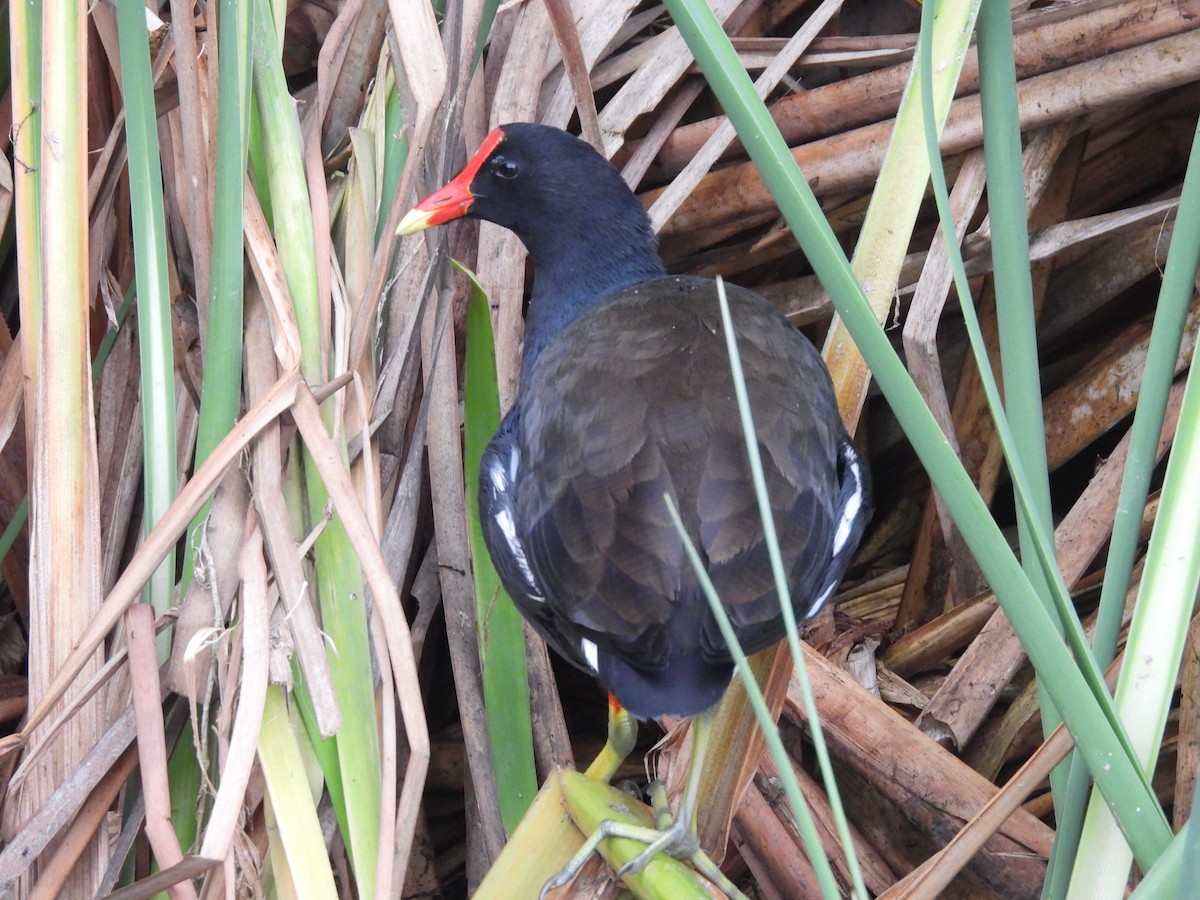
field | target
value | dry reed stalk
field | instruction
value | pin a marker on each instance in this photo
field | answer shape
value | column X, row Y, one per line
column 1051, row 162
column 276, row 529
column 1052, row 39
column 850, row 160
column 152, row 743
column 64, row 522
column 994, row 656
column 68, row 799
column 83, row 828
column 760, row 833
column 1187, row 759
column 936, row 791
column 877, row 875
column 923, row 361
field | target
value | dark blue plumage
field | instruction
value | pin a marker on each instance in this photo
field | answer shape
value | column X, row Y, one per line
column 626, row 396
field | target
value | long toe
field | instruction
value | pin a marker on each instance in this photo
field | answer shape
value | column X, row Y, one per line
column 678, row 841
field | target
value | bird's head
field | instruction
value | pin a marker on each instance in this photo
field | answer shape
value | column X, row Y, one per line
column 528, row 178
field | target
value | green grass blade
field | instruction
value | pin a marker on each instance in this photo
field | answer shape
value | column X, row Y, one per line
column 501, row 634
column 395, row 155
column 804, row 819
column 257, row 160
column 1169, row 317
column 783, row 590
column 324, row 749
column 1154, row 649
column 290, row 796
column 1167, row 878
column 221, row 391
column 1010, row 255
column 153, row 295
column 1119, row 776
column 1016, row 320
column 187, row 786
column 337, row 576
column 490, row 8
column 1040, row 541
column 1170, row 314
column 13, row 531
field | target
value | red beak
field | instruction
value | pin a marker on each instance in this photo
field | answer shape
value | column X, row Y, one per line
column 453, row 200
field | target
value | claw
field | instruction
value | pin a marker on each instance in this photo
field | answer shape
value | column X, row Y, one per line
column 673, row 835
column 677, row 840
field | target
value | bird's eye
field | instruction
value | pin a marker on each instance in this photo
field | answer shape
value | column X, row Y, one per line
column 505, row 168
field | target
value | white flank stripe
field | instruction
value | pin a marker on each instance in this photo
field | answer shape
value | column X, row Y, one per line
column 509, row 530
column 505, row 521
column 853, row 506
column 498, row 479
column 591, row 654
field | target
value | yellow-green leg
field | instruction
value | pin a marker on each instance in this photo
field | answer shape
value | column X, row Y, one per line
column 674, row 835
column 622, row 736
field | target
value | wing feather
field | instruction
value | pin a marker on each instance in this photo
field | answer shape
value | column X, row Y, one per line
column 601, row 445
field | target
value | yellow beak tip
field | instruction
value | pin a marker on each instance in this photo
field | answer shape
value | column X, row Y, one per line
column 414, row 220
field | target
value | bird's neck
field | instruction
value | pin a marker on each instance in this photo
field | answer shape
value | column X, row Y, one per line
column 575, row 270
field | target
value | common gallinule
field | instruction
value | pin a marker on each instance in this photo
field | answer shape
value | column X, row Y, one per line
column 626, row 398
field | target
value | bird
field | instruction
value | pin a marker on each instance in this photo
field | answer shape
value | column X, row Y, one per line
column 625, row 409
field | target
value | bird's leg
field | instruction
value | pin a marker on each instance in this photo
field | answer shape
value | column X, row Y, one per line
column 676, row 835
column 622, row 735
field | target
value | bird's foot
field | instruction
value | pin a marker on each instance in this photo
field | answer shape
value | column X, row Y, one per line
column 677, row 837
column 673, row 836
